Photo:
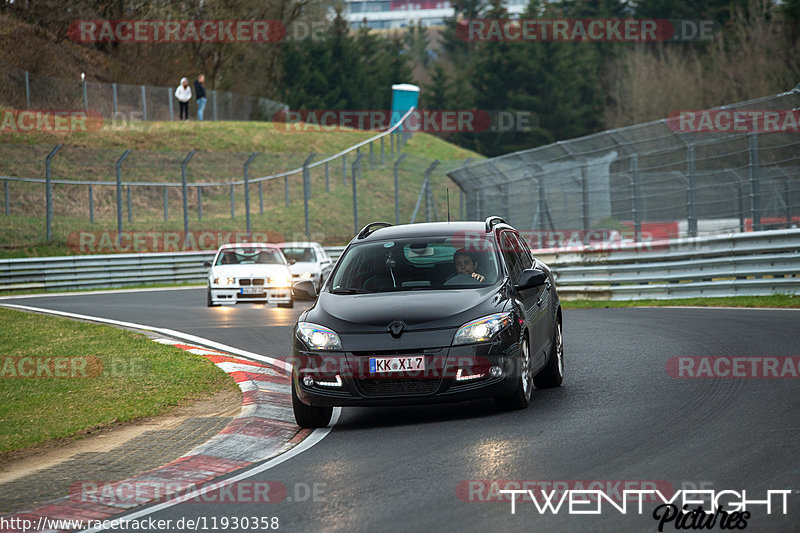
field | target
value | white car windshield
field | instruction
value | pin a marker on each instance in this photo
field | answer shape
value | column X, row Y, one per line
column 417, row 264
column 301, row 255
column 249, row 256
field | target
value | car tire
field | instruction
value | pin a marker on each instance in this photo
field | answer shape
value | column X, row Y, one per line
column 288, row 305
column 209, row 302
column 553, row 373
column 521, row 396
column 309, row 416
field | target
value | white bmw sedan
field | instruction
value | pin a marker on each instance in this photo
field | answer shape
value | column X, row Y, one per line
column 249, row 272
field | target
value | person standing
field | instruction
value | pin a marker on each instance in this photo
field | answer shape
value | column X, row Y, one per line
column 200, row 95
column 184, row 93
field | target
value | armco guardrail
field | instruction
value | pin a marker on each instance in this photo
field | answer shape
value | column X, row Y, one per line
column 103, row 271
column 748, row 264
column 108, row 270
column 742, row 264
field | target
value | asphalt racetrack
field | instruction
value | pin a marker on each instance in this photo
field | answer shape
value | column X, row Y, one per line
column 620, row 416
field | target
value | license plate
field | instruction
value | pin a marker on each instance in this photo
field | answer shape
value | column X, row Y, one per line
column 251, row 290
column 408, row 363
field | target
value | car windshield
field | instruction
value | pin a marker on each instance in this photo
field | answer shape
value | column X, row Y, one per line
column 249, row 256
column 417, row 264
column 301, row 255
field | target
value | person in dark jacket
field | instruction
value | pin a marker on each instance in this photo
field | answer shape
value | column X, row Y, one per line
column 200, row 94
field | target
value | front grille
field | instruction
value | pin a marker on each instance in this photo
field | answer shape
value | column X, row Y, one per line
column 390, row 387
column 246, row 296
column 247, row 281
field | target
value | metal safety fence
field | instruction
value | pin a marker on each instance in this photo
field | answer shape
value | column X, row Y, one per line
column 742, row 264
column 750, row 264
column 76, row 185
column 731, row 169
column 122, row 103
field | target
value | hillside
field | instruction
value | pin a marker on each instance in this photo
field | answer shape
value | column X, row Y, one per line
column 222, row 148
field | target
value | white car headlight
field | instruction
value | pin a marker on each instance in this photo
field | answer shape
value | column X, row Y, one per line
column 483, row 329
column 305, row 275
column 318, row 337
column 224, row 281
column 280, row 280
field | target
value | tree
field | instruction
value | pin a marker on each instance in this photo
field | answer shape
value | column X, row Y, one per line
column 344, row 70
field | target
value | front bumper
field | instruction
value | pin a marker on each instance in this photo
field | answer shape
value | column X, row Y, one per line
column 315, row 279
column 232, row 295
column 438, row 384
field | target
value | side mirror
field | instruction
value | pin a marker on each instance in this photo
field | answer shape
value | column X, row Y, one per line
column 304, row 290
column 530, row 278
column 291, row 261
column 206, row 263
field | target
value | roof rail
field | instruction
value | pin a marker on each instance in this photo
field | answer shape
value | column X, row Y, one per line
column 493, row 221
column 372, row 226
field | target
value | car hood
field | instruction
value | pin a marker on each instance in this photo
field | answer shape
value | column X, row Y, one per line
column 420, row 310
column 247, row 271
column 299, row 268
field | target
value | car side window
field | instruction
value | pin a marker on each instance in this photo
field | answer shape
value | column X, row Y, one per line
column 508, row 246
column 524, row 252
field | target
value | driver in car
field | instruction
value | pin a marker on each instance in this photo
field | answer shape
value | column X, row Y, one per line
column 466, row 265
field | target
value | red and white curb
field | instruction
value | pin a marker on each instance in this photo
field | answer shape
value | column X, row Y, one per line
column 264, row 429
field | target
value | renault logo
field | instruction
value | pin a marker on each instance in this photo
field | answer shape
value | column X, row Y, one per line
column 396, row 328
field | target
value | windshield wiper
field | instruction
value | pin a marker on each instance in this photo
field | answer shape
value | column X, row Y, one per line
column 351, row 290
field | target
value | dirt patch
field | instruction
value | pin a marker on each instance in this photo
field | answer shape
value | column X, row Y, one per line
column 22, row 463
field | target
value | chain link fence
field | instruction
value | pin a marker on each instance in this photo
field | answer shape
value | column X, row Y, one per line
column 660, row 180
column 325, row 197
column 20, row 89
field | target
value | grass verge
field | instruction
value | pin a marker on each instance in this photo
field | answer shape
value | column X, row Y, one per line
column 87, row 377
column 222, row 148
column 775, row 300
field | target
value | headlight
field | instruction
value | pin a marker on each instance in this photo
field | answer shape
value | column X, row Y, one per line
column 305, row 275
column 280, row 280
column 482, row 329
column 224, row 281
column 318, row 337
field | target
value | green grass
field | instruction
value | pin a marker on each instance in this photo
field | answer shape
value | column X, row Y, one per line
column 183, row 136
column 776, row 300
column 115, row 376
column 223, row 148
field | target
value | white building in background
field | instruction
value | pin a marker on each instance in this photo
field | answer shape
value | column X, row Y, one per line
column 393, row 14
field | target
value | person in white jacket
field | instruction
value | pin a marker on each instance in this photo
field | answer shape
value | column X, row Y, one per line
column 184, row 93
